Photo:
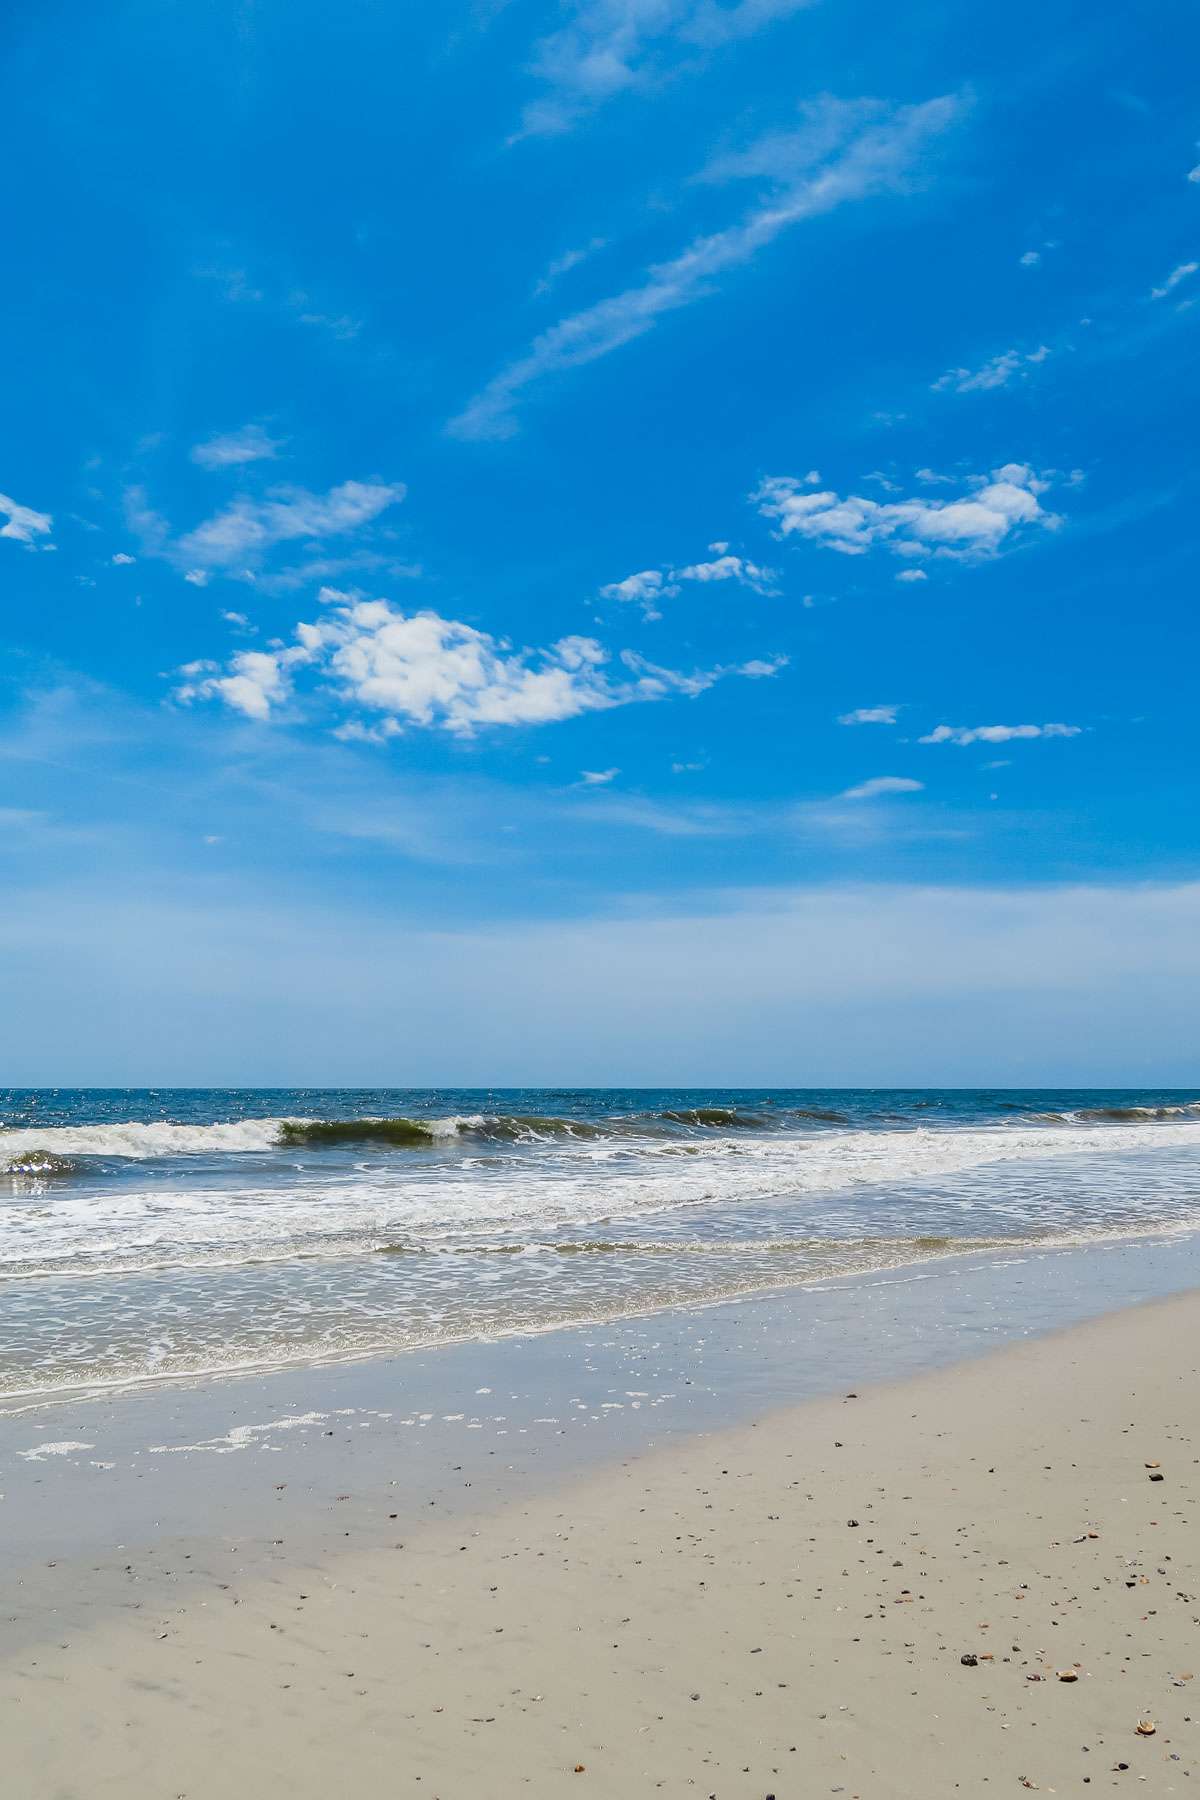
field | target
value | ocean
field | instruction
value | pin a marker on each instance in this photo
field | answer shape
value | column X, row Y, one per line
column 149, row 1233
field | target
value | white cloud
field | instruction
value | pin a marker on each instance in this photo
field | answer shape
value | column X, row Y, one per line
column 1031, row 259
column 121, row 561
column 425, row 670
column 995, row 734
column 233, row 448
column 1194, row 174
column 649, row 586
column 882, row 784
column 729, row 568
column 597, row 777
column 846, row 151
column 247, row 527
column 997, row 372
column 562, row 265
column 611, row 46
column 1182, row 273
column 911, row 575
column 21, row 523
column 197, row 577
column 996, row 510
column 645, row 589
column 870, row 715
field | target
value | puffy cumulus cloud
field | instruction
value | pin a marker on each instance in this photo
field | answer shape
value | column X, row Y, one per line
column 870, row 715
column 121, row 560
column 420, row 669
column 247, row 527
column 649, row 586
column 256, row 682
column 607, row 47
column 645, row 589
column 597, row 777
column 882, row 784
column 233, row 448
column 996, row 510
column 995, row 734
column 997, row 372
column 21, row 523
column 729, row 568
column 846, row 151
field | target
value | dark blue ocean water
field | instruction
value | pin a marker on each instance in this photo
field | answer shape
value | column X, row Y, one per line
column 170, row 1231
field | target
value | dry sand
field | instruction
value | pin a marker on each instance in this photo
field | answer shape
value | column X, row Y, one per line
column 778, row 1610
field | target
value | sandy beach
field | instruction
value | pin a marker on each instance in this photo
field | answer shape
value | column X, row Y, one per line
column 978, row 1578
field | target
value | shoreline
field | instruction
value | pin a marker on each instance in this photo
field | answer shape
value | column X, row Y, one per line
column 950, row 1261
column 776, row 1606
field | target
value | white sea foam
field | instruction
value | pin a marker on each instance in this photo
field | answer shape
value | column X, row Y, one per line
column 93, row 1227
column 64, row 1448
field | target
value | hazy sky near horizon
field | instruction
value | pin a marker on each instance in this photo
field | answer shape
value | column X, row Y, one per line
column 625, row 540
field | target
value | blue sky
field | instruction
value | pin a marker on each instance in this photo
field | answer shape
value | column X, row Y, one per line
column 619, row 540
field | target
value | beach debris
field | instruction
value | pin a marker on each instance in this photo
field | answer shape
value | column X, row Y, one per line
column 1146, row 1727
column 580, row 1769
column 1152, row 1465
column 1068, row 1674
column 1157, row 1475
column 969, row 1660
column 852, row 1522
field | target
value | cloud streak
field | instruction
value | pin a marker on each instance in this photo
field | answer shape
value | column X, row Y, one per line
column 245, row 529
column 846, row 151
column 21, row 523
column 879, row 785
column 997, row 372
column 609, row 47
column 995, row 734
column 234, row 448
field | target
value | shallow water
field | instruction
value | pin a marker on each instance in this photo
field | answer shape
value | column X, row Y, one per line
column 158, row 1232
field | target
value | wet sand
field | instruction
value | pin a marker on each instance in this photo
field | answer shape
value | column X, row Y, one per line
column 781, row 1608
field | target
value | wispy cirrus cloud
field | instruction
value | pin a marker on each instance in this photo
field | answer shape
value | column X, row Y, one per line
column 995, row 734
column 241, row 533
column 994, row 512
column 420, row 669
column 997, row 372
column 878, row 785
column 562, row 265
column 21, row 523
column 648, row 586
column 1182, row 272
column 845, row 151
column 232, row 449
column 609, row 47
column 247, row 527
